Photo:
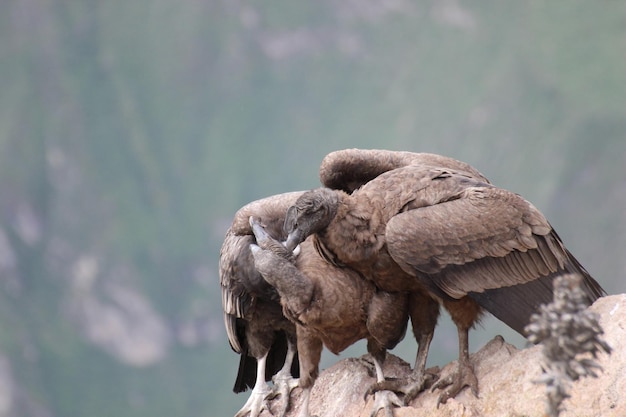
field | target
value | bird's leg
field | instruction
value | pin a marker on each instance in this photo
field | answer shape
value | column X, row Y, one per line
column 417, row 381
column 420, row 378
column 383, row 399
column 310, row 351
column 283, row 381
column 464, row 313
column 464, row 375
column 424, row 312
column 257, row 402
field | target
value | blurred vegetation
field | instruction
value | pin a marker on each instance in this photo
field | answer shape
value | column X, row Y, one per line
column 130, row 133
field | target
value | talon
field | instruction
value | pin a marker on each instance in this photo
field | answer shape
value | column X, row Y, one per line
column 284, row 383
column 419, row 383
column 454, row 383
column 443, row 398
column 442, row 383
column 386, row 400
column 257, row 402
column 410, row 386
column 373, row 389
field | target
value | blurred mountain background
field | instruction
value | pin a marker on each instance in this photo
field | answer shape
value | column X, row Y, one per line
column 131, row 132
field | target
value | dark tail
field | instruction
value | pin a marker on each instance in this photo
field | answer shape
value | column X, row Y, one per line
column 246, row 375
column 276, row 358
column 516, row 304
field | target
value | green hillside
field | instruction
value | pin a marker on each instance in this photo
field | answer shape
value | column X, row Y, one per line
column 131, row 132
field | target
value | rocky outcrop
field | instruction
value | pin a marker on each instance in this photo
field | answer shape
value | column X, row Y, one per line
column 506, row 378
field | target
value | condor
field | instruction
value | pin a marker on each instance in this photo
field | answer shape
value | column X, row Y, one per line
column 435, row 227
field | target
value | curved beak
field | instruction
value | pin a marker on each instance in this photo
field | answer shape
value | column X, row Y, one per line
column 259, row 231
column 294, row 239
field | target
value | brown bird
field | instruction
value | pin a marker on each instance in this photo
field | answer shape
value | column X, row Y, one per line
column 332, row 307
column 255, row 324
column 435, row 227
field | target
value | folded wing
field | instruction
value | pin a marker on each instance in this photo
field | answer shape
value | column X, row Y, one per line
column 489, row 244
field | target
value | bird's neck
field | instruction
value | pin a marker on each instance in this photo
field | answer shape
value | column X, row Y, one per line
column 353, row 234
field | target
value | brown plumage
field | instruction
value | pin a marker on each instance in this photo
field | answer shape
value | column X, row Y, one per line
column 255, row 324
column 331, row 306
column 435, row 227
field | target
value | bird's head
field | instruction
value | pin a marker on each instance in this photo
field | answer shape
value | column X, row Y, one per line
column 266, row 242
column 310, row 214
column 270, row 255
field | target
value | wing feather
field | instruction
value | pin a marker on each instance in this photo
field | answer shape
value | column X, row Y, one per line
column 240, row 282
column 236, row 299
column 488, row 238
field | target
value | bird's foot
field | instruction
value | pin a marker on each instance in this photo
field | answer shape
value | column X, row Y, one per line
column 284, row 383
column 410, row 386
column 418, row 382
column 455, row 382
column 385, row 400
column 257, row 402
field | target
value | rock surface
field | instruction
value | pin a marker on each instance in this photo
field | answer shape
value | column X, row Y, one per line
column 505, row 375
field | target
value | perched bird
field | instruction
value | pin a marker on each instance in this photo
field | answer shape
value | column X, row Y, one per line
column 255, row 324
column 332, row 307
column 437, row 228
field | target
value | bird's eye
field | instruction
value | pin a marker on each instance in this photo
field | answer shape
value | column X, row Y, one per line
column 317, row 207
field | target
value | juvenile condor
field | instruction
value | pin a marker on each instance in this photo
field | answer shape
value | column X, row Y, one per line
column 332, row 307
column 255, row 324
column 435, row 227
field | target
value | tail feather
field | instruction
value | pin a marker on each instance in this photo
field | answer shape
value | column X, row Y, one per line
column 591, row 287
column 515, row 305
column 246, row 374
column 276, row 358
